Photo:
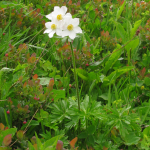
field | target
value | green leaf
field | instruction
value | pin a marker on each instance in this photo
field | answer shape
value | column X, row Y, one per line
column 81, row 73
column 58, row 94
column 112, row 59
column 2, row 116
column 114, row 75
column 51, row 142
column 40, row 72
column 84, row 104
column 43, row 114
column 120, row 32
column 11, row 131
column 91, row 129
column 30, row 146
column 136, row 26
column 50, row 148
column 39, row 144
column 92, row 14
column 147, row 81
column 132, row 45
column 91, row 139
column 82, row 135
column 146, row 131
column 93, row 76
column 131, row 139
column 104, row 96
column 119, row 11
column 128, row 28
column 95, row 64
column 59, row 110
column 89, row 40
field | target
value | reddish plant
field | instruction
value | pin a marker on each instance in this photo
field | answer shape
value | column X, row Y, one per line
column 6, row 55
column 8, row 112
column 24, row 122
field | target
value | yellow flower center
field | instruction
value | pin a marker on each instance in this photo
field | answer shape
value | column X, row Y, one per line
column 53, row 26
column 70, row 27
column 59, row 17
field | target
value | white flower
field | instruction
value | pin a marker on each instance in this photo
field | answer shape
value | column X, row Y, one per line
column 58, row 13
column 62, row 23
column 53, row 27
column 70, row 27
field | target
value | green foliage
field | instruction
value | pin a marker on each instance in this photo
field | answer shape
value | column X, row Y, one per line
column 92, row 91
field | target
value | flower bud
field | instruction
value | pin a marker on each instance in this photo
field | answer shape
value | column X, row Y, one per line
column 8, row 112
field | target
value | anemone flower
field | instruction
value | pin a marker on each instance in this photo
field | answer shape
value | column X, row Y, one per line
column 53, row 27
column 58, row 13
column 70, row 27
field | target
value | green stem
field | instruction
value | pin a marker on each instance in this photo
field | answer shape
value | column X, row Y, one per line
column 75, row 76
column 76, row 81
column 42, row 127
column 109, row 96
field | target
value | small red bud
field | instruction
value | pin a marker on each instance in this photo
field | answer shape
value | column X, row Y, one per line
column 4, row 33
column 35, row 98
column 70, row 85
column 6, row 55
column 52, row 99
column 8, row 112
column 96, row 9
column 87, row 65
column 137, row 32
column 144, row 47
column 24, row 122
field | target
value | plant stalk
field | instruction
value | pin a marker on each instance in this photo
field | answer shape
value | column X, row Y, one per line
column 76, row 80
column 75, row 76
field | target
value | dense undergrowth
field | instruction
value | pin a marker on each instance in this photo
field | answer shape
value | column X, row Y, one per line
column 91, row 92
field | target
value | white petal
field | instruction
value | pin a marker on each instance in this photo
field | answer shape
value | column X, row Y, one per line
column 48, row 24
column 54, row 19
column 55, row 13
column 59, row 32
column 75, row 22
column 72, row 35
column 68, row 15
column 51, row 33
column 56, row 8
column 65, row 33
column 77, row 29
column 63, row 9
column 61, row 24
column 68, row 20
column 49, row 16
column 47, row 30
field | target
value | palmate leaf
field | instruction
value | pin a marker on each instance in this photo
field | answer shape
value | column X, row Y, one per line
column 91, row 109
column 59, row 111
column 131, row 139
column 74, row 121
